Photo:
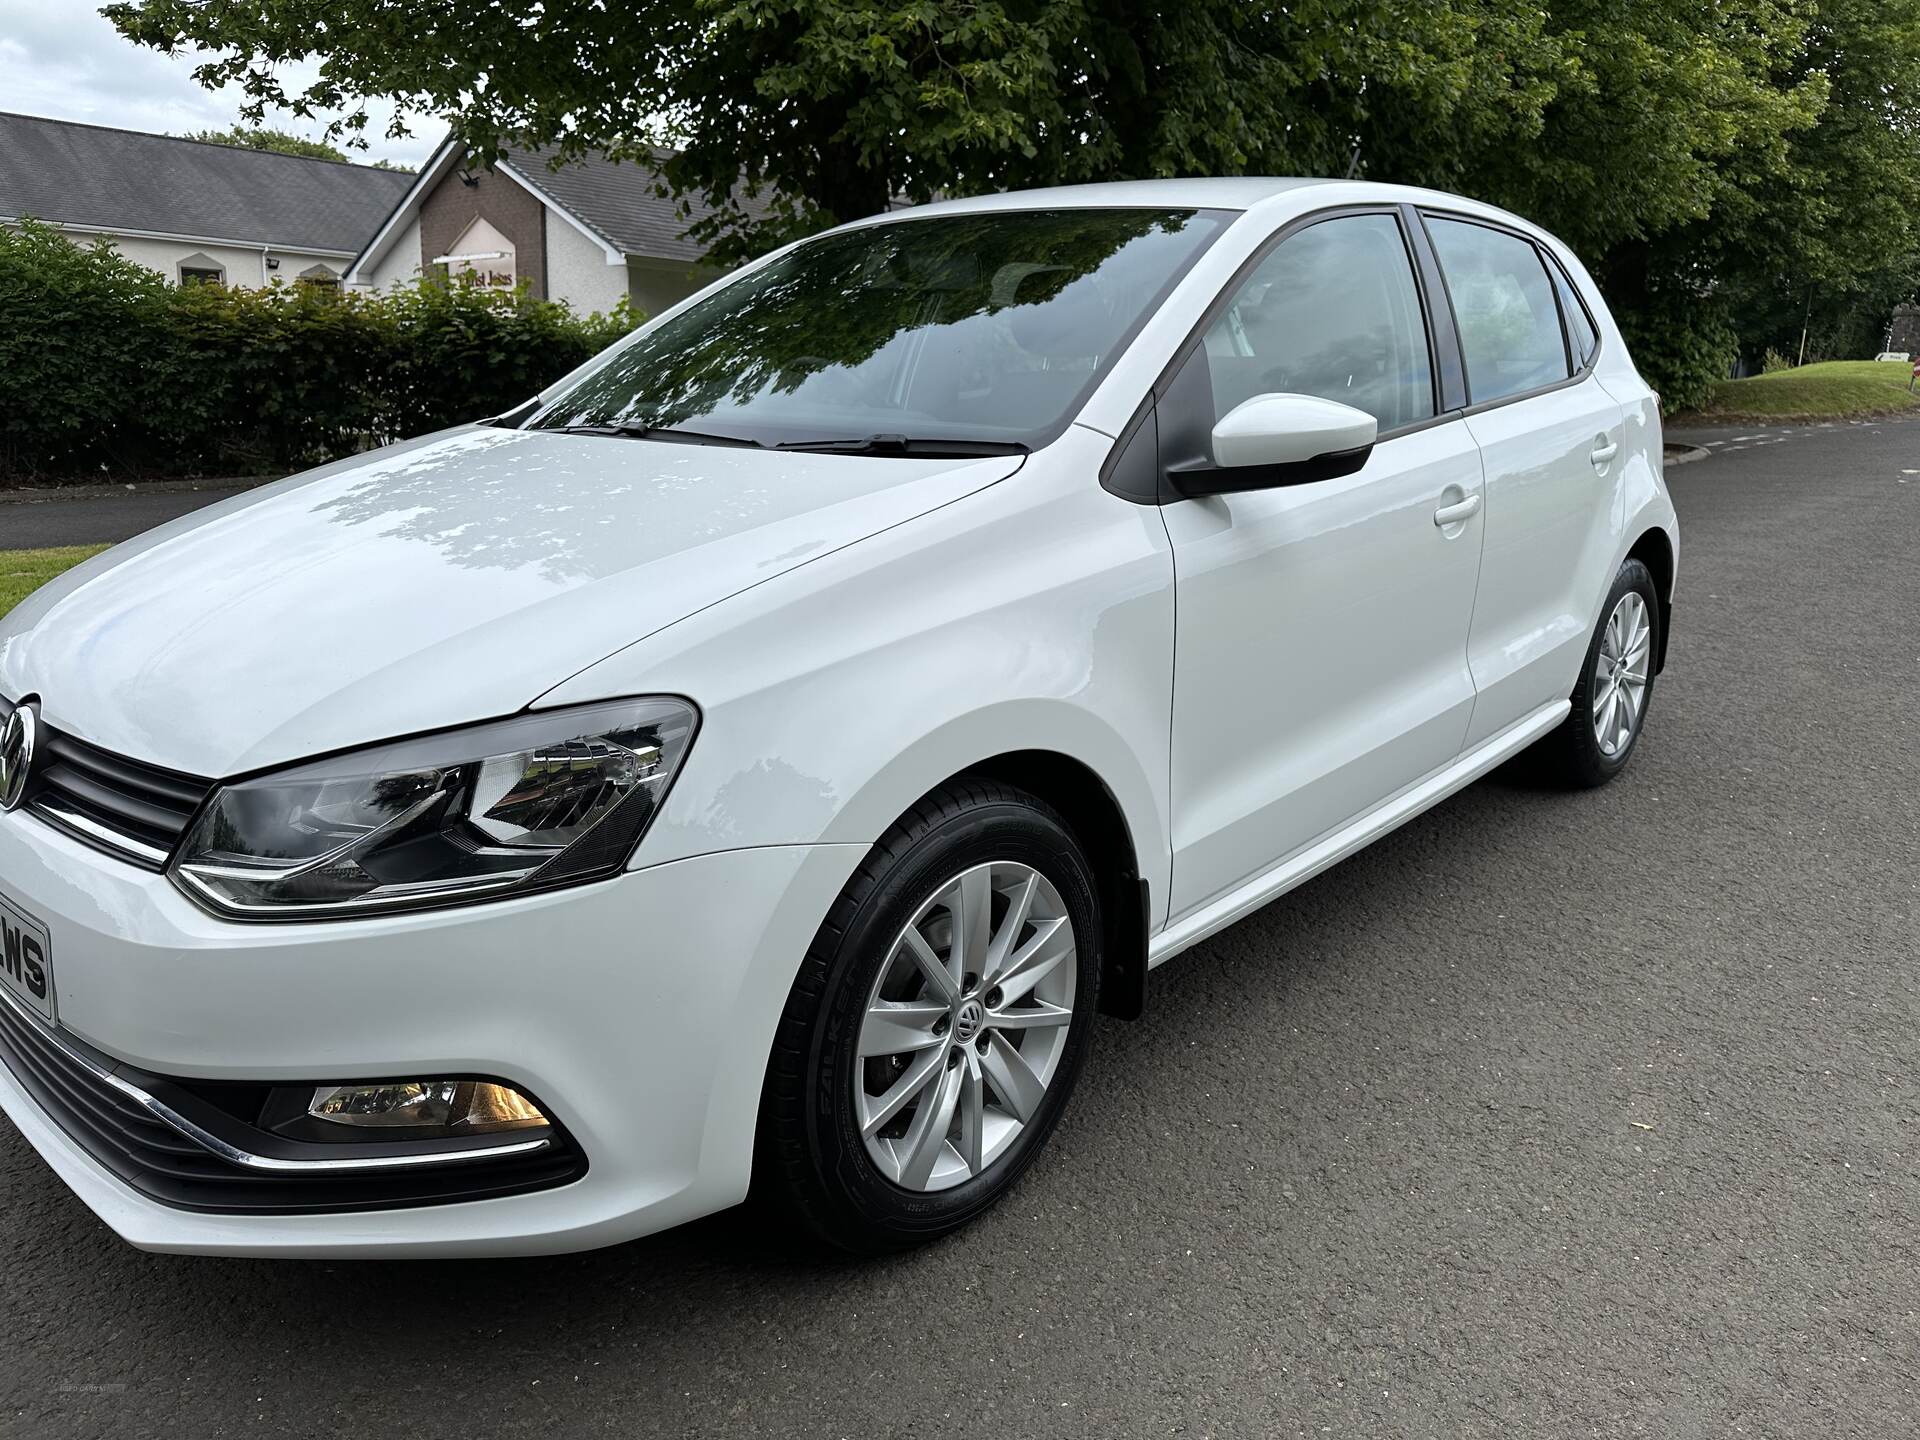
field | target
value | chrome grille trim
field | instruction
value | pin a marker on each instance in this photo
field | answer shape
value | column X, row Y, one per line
column 127, row 808
column 98, row 835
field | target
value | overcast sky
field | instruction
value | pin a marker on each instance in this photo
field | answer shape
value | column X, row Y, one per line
column 59, row 58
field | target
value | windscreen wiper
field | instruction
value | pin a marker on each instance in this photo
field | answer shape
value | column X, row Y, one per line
column 662, row 432
column 931, row 448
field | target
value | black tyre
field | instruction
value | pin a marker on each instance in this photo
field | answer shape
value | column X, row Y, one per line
column 937, row 1025
column 1615, row 687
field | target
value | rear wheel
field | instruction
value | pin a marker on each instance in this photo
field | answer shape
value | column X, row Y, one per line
column 937, row 1025
column 1616, row 684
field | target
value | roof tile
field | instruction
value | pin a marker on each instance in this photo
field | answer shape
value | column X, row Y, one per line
column 616, row 200
column 65, row 172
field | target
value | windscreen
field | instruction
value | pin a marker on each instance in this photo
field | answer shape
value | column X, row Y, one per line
column 988, row 327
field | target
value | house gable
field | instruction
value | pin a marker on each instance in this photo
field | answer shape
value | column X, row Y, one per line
column 605, row 232
column 462, row 196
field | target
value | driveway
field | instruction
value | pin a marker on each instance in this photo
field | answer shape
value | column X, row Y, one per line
column 1550, row 1115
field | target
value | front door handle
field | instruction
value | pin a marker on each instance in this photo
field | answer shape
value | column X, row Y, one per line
column 1455, row 513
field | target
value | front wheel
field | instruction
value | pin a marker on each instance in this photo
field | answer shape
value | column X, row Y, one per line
column 937, row 1024
column 1616, row 684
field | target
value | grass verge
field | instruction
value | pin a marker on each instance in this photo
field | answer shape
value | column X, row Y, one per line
column 1832, row 390
column 24, row 571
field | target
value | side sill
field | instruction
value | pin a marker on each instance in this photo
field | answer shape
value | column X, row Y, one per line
column 1303, row 865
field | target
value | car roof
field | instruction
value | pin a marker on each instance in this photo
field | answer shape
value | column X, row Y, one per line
column 1223, row 192
column 1231, row 193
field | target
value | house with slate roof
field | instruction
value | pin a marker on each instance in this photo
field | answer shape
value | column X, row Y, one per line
column 589, row 232
column 191, row 210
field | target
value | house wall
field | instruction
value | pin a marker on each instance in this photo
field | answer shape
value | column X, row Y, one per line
column 453, row 204
column 578, row 272
column 654, row 285
column 402, row 263
column 244, row 265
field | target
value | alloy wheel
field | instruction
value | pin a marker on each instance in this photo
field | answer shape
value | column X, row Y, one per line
column 1621, row 673
column 965, row 1026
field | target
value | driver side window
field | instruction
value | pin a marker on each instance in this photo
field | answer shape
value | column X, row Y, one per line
column 1333, row 312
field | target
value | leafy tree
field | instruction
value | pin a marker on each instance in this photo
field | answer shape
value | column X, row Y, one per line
column 1831, row 242
column 258, row 137
column 1671, row 119
column 1714, row 161
column 830, row 108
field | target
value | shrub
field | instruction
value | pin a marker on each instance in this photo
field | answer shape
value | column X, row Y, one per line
column 78, row 326
column 1681, row 350
column 464, row 351
column 105, row 367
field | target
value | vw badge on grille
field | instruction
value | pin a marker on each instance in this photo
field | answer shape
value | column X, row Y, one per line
column 16, row 756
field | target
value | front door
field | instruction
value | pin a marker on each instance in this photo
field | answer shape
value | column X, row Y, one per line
column 1321, row 629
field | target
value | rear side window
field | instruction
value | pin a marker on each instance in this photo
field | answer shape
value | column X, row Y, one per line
column 1333, row 312
column 1582, row 338
column 1504, row 308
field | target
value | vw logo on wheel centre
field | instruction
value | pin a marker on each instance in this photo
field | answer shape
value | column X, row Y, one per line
column 16, row 756
column 971, row 1017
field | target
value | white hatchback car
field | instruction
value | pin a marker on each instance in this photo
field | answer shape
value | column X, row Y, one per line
column 760, row 756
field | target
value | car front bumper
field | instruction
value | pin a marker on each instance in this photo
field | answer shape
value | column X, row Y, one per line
column 639, row 1010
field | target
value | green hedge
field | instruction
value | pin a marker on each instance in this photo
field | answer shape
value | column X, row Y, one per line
column 106, row 369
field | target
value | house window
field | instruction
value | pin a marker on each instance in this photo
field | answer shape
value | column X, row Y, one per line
column 318, row 277
column 202, row 270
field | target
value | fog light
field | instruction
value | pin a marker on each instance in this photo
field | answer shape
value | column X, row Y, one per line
column 464, row 1107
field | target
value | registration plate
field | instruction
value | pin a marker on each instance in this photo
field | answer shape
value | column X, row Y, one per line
column 26, row 959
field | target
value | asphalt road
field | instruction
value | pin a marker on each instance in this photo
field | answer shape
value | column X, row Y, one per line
column 1551, row 1115
column 96, row 514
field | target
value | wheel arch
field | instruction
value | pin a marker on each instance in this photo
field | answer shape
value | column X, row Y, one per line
column 1654, row 549
column 1092, row 812
column 1108, row 783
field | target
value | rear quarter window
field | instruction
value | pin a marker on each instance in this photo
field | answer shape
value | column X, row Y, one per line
column 1582, row 337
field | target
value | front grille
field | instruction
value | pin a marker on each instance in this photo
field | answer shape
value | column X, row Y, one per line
column 125, row 807
column 69, row 1082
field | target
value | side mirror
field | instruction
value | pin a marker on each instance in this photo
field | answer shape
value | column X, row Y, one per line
column 1275, row 440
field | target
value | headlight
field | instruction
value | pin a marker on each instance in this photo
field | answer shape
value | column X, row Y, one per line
column 521, row 804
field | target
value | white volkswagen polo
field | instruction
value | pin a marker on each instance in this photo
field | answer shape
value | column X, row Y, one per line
column 754, row 762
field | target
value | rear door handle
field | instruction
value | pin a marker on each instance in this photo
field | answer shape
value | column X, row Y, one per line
column 1605, row 450
column 1458, row 511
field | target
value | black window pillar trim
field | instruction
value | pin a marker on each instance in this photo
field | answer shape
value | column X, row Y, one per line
column 1451, row 360
column 1132, row 467
column 1554, row 287
column 1564, row 290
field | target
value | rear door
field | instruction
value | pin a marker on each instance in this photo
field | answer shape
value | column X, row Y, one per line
column 1550, row 439
column 1320, row 663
